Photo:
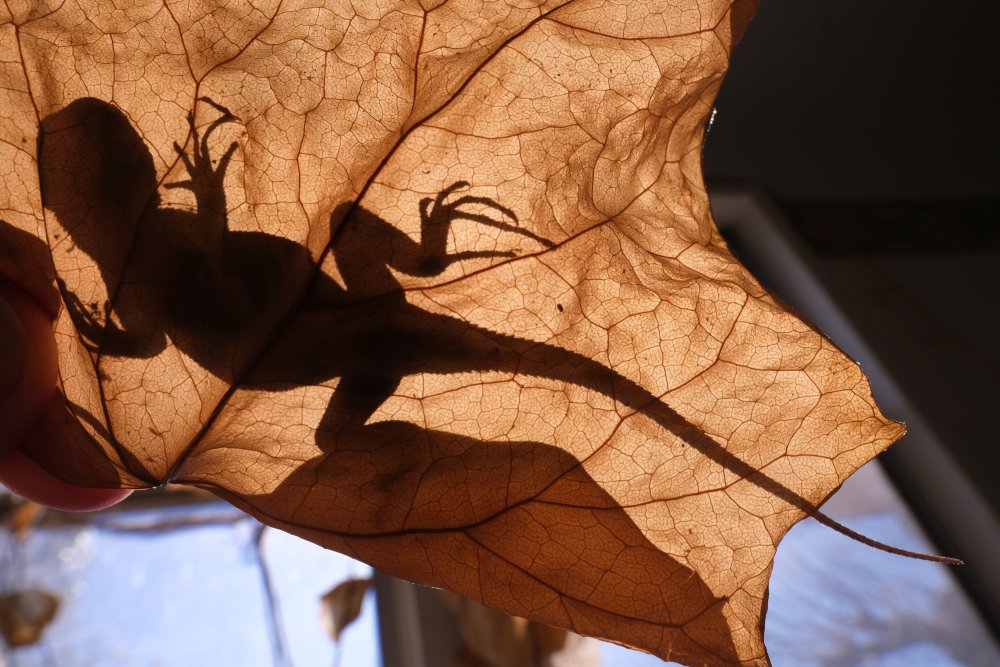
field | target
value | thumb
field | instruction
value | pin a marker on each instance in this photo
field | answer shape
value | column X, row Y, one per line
column 29, row 365
column 29, row 370
column 12, row 348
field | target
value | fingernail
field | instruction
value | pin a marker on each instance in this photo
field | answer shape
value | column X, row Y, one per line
column 13, row 348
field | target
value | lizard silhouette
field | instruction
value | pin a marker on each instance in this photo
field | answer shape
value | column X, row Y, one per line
column 184, row 276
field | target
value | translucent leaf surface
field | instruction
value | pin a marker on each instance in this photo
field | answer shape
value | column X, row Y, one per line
column 432, row 284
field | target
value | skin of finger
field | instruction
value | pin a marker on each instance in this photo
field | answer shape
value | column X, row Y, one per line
column 28, row 479
column 25, row 409
column 37, row 369
column 12, row 349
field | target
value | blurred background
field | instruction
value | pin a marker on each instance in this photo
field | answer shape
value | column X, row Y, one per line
column 874, row 128
column 871, row 129
column 860, row 137
column 858, row 101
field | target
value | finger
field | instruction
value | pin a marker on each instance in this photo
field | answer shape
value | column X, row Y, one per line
column 35, row 364
column 12, row 349
column 32, row 406
column 26, row 478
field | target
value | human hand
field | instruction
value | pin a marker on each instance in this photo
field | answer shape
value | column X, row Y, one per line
column 29, row 370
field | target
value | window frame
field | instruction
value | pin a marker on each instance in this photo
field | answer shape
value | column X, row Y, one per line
column 957, row 518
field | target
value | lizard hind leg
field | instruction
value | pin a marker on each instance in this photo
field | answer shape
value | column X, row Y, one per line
column 354, row 401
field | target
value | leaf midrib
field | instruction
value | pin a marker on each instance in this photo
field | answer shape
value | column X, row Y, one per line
column 282, row 324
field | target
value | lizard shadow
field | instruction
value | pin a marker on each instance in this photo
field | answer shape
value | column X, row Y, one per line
column 172, row 275
column 184, row 278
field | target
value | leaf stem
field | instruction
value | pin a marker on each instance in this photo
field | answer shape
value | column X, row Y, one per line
column 858, row 537
column 278, row 643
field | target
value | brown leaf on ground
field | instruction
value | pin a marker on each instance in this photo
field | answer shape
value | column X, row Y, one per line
column 433, row 284
column 494, row 639
column 24, row 615
column 23, row 518
column 342, row 605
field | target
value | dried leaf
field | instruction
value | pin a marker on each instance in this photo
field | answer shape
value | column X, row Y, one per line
column 24, row 517
column 435, row 285
column 24, row 615
column 494, row 639
column 342, row 605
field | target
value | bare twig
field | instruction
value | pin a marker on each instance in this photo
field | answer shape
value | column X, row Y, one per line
column 167, row 525
column 278, row 642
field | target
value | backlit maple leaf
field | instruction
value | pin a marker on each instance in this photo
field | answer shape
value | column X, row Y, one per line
column 433, row 284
